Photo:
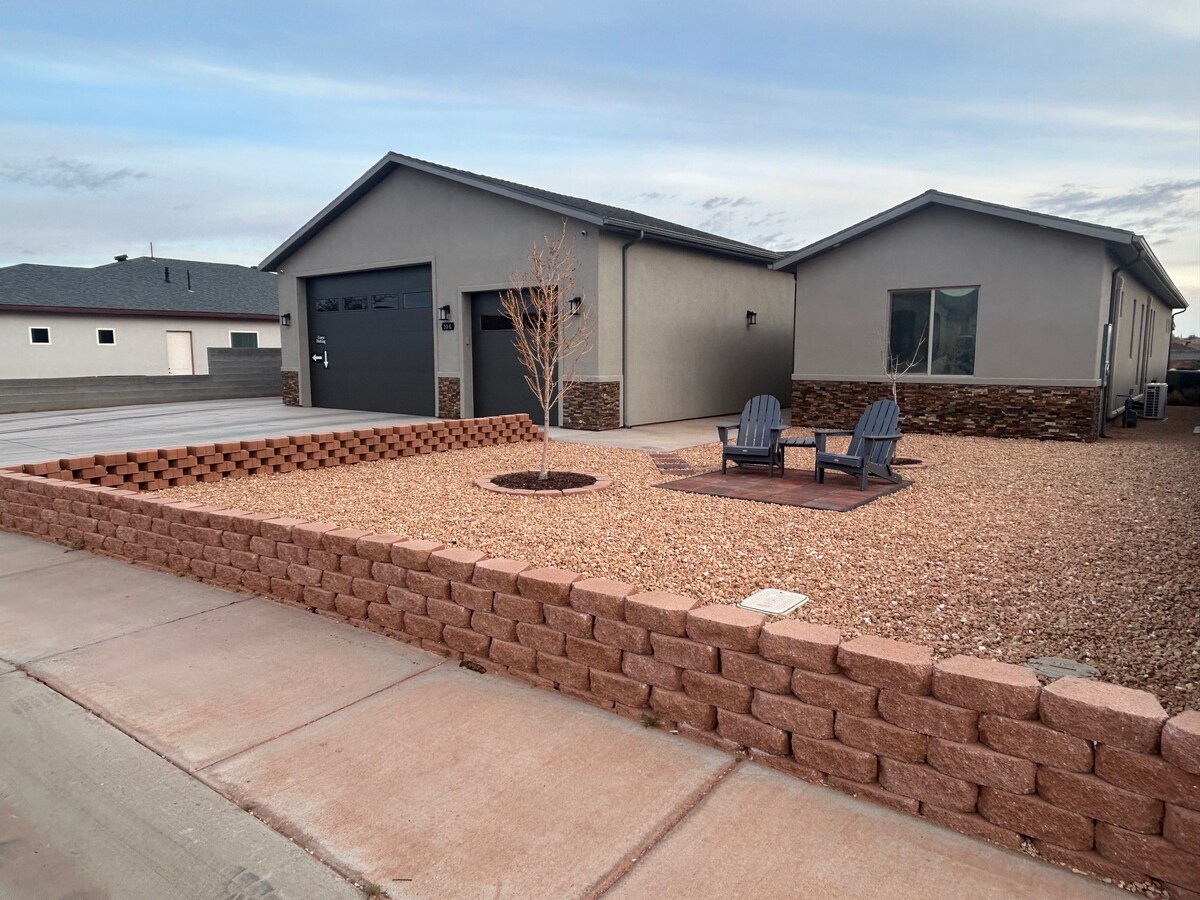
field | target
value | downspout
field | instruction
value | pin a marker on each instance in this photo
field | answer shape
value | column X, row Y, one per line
column 795, row 319
column 1106, row 394
column 641, row 235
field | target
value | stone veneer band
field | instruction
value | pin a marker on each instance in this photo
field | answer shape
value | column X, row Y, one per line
column 291, row 388
column 991, row 410
column 1097, row 776
column 449, row 401
column 592, row 405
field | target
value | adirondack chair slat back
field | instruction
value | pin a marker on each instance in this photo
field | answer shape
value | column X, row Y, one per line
column 759, row 416
column 881, row 417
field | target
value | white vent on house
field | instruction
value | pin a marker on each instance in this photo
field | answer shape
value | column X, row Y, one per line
column 1155, row 405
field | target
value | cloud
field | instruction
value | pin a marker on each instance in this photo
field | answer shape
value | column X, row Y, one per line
column 725, row 202
column 655, row 196
column 1162, row 206
column 65, row 174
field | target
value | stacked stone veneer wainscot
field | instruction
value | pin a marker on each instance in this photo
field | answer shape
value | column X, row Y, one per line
column 291, row 388
column 449, row 402
column 992, row 410
column 593, row 406
column 1096, row 776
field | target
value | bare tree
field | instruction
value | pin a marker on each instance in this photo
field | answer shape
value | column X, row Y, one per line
column 551, row 333
column 894, row 366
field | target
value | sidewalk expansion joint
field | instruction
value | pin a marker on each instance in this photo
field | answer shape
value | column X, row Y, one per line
column 621, row 869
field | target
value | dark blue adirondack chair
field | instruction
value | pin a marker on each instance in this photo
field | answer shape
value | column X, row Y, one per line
column 872, row 445
column 757, row 441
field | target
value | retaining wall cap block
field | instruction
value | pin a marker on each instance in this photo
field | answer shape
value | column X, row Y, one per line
column 885, row 663
column 498, row 574
column 414, row 554
column 547, row 585
column 659, row 611
column 377, row 547
column 726, row 627
column 343, row 540
column 801, row 644
column 309, row 534
column 1105, row 713
column 987, row 686
column 455, row 563
column 1181, row 741
column 601, row 597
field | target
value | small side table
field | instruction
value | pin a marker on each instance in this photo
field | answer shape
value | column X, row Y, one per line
column 785, row 443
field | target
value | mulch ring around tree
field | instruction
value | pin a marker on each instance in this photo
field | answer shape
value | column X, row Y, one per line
column 556, row 484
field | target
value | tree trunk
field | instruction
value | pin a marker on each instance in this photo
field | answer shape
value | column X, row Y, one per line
column 545, row 473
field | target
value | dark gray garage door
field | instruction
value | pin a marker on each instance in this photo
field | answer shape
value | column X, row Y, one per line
column 499, row 377
column 371, row 340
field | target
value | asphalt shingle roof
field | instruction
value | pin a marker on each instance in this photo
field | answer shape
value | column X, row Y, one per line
column 140, row 285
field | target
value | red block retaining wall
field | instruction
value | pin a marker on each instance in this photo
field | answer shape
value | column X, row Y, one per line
column 1094, row 774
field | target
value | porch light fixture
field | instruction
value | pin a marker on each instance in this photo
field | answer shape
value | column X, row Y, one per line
column 575, row 303
column 751, row 318
column 443, row 313
column 285, row 319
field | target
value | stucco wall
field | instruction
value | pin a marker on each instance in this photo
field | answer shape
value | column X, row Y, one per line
column 1134, row 332
column 690, row 353
column 474, row 239
column 140, row 348
column 1042, row 298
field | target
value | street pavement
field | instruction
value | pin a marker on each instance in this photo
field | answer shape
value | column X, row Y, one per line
column 164, row 738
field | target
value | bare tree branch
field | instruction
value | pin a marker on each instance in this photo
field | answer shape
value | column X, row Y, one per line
column 550, row 340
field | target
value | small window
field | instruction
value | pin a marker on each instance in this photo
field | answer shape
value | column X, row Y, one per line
column 106, row 336
column 385, row 301
column 495, row 323
column 349, row 303
column 243, row 339
column 39, row 335
column 330, row 305
column 418, row 300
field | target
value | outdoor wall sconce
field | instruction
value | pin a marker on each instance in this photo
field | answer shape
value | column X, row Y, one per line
column 751, row 318
column 575, row 303
column 285, row 320
column 443, row 313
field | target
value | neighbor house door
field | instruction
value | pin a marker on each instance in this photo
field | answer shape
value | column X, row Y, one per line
column 179, row 353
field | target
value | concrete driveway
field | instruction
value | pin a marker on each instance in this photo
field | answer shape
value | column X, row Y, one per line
column 34, row 437
column 389, row 765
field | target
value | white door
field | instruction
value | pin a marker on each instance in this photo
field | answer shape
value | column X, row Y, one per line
column 179, row 353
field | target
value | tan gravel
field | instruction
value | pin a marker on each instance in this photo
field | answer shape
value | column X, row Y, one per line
column 1005, row 548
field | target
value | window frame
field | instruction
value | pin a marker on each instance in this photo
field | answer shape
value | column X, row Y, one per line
column 232, row 333
column 932, row 291
column 49, row 338
column 112, row 343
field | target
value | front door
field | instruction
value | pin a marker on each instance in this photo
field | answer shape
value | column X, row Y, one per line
column 371, row 340
column 499, row 377
column 179, row 353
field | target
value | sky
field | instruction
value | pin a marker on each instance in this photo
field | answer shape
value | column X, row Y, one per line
column 217, row 129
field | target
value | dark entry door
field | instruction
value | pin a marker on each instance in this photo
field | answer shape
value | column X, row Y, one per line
column 499, row 377
column 370, row 338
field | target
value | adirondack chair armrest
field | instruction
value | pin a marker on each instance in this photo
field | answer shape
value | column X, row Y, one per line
column 723, row 432
column 882, row 437
column 819, row 435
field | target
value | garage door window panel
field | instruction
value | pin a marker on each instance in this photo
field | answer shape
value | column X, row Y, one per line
column 385, row 301
column 330, row 305
column 418, row 300
column 354, row 303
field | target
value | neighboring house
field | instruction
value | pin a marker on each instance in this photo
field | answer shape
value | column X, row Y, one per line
column 997, row 321
column 63, row 327
column 393, row 295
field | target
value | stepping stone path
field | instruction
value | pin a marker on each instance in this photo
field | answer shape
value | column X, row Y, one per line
column 670, row 464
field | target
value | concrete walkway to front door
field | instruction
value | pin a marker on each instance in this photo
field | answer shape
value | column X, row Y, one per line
column 139, row 711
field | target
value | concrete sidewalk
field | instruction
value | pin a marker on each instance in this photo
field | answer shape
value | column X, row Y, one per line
column 391, row 766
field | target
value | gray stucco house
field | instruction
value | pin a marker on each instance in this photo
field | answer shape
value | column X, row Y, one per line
column 75, row 337
column 996, row 320
column 392, row 294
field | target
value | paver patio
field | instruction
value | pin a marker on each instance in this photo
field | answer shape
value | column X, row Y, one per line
column 838, row 493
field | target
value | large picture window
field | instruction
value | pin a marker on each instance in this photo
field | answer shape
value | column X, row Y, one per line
column 932, row 332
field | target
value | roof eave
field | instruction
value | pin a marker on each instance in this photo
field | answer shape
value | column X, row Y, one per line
column 686, row 240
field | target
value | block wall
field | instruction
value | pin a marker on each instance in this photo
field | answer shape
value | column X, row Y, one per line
column 1093, row 775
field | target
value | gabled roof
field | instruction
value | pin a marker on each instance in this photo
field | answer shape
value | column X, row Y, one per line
column 1126, row 246
column 599, row 214
column 140, row 286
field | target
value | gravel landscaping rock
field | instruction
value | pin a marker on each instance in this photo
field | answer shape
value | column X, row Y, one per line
column 1003, row 549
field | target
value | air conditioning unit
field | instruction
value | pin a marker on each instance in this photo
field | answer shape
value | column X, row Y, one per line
column 1155, row 403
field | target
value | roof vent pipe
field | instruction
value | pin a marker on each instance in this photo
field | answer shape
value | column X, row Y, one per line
column 167, row 274
column 189, row 278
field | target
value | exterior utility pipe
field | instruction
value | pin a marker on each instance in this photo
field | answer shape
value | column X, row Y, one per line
column 641, row 235
column 1106, row 391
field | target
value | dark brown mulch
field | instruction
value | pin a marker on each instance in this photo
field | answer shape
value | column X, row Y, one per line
column 554, row 481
